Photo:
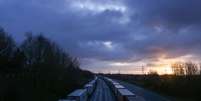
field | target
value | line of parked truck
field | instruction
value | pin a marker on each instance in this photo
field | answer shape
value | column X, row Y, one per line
column 121, row 93
column 82, row 94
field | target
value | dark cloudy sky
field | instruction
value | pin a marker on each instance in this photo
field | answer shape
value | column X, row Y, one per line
column 112, row 35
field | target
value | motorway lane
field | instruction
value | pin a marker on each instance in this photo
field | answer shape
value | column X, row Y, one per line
column 146, row 94
column 102, row 92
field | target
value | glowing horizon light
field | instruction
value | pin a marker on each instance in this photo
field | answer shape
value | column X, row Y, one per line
column 161, row 70
column 163, row 66
column 166, row 70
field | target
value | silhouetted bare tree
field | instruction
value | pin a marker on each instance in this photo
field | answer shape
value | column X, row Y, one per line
column 178, row 68
column 200, row 68
column 191, row 68
column 186, row 68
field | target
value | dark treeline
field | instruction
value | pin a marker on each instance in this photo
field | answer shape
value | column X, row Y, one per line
column 37, row 70
column 183, row 85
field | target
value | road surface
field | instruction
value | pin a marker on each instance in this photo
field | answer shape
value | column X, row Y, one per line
column 102, row 92
column 146, row 94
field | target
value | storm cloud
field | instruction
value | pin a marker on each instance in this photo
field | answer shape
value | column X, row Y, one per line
column 106, row 32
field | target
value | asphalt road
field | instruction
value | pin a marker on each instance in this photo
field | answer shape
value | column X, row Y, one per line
column 102, row 92
column 146, row 94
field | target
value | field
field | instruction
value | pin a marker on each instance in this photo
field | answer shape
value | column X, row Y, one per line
column 178, row 88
